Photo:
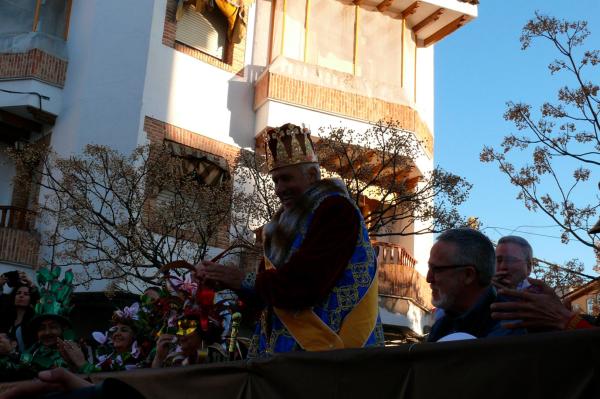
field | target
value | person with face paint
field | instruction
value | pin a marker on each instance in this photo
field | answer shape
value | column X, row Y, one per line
column 50, row 323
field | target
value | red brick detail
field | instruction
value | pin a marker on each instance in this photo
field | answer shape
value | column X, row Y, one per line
column 34, row 64
column 159, row 131
column 324, row 99
column 233, row 61
column 19, row 246
column 168, row 38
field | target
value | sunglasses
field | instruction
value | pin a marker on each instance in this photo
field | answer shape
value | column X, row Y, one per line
column 440, row 269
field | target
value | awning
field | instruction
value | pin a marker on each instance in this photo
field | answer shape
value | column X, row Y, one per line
column 234, row 10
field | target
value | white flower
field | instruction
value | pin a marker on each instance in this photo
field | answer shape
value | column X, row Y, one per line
column 135, row 350
column 129, row 312
column 101, row 338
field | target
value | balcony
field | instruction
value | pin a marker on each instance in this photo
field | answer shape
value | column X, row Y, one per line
column 33, row 57
column 404, row 295
column 328, row 91
column 398, row 276
column 19, row 242
column 430, row 20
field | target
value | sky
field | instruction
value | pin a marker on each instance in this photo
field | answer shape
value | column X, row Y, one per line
column 477, row 70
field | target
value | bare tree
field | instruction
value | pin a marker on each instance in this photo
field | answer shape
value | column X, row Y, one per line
column 122, row 217
column 562, row 278
column 562, row 138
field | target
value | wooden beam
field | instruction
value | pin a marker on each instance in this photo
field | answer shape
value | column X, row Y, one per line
column 306, row 21
column 356, row 19
column 415, row 73
column 42, row 116
column 411, row 9
column 67, row 18
column 19, row 122
column 36, row 15
column 428, row 20
column 282, row 50
column 271, row 31
column 357, row 2
column 446, row 30
column 384, row 5
column 402, row 53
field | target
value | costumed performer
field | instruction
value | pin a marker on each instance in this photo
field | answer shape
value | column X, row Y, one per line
column 318, row 279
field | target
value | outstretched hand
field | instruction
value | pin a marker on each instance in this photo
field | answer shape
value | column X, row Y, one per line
column 54, row 380
column 226, row 275
column 537, row 307
column 72, row 353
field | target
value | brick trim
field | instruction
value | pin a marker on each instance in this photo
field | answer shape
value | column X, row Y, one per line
column 159, row 131
column 234, row 59
column 282, row 88
column 34, row 64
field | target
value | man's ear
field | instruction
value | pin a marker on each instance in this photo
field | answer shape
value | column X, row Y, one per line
column 312, row 175
column 470, row 275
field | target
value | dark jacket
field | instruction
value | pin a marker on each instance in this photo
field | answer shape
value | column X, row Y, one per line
column 477, row 321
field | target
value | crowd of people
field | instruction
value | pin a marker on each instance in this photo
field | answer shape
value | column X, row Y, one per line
column 316, row 289
column 481, row 291
column 181, row 323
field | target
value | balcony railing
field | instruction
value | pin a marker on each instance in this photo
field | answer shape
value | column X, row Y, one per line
column 16, row 218
column 19, row 243
column 398, row 276
column 393, row 253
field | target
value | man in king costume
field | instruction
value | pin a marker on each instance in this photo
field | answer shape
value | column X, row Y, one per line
column 318, row 279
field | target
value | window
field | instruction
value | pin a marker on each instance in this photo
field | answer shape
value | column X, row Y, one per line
column 590, row 306
column 34, row 24
column 205, row 31
column 47, row 16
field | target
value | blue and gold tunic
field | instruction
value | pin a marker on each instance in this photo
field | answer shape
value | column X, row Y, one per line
column 348, row 316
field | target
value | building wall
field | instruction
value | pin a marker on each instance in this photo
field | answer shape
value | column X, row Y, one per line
column 103, row 92
column 580, row 304
column 195, row 95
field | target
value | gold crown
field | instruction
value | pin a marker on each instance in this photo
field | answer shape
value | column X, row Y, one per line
column 289, row 145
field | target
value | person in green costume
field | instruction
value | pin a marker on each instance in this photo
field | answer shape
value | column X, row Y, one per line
column 50, row 323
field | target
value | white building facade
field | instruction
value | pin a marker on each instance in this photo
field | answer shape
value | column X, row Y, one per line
column 212, row 75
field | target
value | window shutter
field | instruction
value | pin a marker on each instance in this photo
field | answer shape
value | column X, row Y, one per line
column 204, row 31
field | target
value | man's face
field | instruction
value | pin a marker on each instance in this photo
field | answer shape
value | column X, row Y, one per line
column 48, row 332
column 290, row 183
column 445, row 279
column 511, row 265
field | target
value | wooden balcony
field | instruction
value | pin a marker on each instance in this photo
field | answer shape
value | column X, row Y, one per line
column 19, row 242
column 398, row 276
column 17, row 218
